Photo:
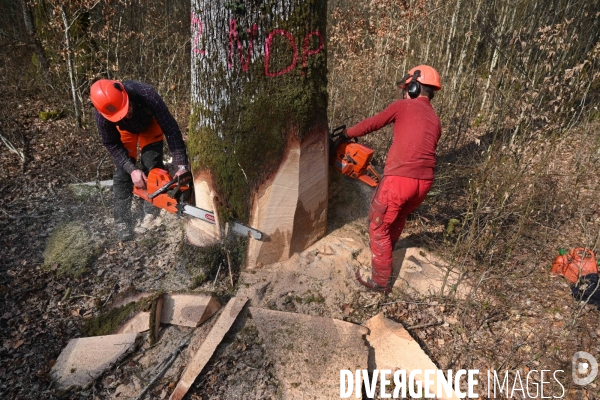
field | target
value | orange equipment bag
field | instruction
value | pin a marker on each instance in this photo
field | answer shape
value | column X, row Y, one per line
column 579, row 262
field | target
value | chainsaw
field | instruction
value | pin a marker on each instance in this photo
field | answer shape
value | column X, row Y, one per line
column 351, row 158
column 173, row 195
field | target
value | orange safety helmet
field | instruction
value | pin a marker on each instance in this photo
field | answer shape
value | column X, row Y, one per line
column 428, row 76
column 110, row 99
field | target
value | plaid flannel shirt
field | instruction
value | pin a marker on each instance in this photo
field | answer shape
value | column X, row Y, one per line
column 147, row 105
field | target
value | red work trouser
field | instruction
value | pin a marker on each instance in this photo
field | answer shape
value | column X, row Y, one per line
column 395, row 198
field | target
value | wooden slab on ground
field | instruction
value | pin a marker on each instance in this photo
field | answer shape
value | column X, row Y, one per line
column 139, row 323
column 188, row 309
column 85, row 359
column 131, row 298
column 420, row 271
column 205, row 352
column 107, row 183
column 395, row 350
column 309, row 352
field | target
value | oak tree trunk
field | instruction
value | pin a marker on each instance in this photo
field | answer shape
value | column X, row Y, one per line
column 258, row 130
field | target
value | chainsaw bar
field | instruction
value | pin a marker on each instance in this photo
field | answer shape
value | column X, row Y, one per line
column 209, row 217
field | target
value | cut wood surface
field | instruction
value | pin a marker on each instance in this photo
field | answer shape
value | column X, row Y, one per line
column 291, row 208
column 309, row 352
column 201, row 233
column 188, row 309
column 123, row 301
column 420, row 271
column 395, row 350
column 139, row 323
column 83, row 360
column 203, row 355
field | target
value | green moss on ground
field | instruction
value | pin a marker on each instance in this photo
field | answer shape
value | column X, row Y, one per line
column 313, row 298
column 203, row 262
column 200, row 262
column 70, row 250
column 148, row 242
column 452, row 228
column 46, row 115
column 109, row 322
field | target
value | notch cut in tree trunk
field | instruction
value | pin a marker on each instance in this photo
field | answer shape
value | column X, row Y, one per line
column 258, row 131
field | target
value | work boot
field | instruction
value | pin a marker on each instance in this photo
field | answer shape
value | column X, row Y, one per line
column 369, row 284
column 123, row 232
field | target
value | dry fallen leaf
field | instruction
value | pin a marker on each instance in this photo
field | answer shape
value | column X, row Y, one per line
column 18, row 344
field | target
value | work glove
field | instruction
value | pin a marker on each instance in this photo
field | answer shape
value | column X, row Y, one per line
column 139, row 179
column 344, row 135
column 182, row 169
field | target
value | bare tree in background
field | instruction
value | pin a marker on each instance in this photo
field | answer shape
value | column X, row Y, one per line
column 34, row 40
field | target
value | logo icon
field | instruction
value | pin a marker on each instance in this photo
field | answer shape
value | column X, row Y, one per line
column 580, row 368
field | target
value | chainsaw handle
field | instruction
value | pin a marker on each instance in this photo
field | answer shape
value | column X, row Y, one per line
column 337, row 131
column 163, row 188
column 180, row 179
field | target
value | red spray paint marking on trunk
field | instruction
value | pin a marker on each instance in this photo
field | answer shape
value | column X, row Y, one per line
column 268, row 44
column 245, row 59
column 233, row 36
column 306, row 48
column 200, row 27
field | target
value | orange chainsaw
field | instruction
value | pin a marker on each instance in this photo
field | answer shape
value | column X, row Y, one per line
column 173, row 194
column 351, row 158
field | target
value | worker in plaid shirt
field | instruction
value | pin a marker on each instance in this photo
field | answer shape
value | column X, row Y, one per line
column 129, row 113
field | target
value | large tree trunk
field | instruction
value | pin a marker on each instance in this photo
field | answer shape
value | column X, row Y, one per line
column 258, row 131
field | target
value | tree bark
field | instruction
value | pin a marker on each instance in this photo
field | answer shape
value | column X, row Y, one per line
column 258, row 130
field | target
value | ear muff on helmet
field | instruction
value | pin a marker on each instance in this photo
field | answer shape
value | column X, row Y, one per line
column 414, row 87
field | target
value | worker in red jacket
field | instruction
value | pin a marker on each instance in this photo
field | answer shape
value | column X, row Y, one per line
column 127, row 114
column 409, row 167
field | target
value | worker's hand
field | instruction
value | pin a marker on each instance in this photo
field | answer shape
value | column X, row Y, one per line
column 181, row 170
column 344, row 135
column 139, row 179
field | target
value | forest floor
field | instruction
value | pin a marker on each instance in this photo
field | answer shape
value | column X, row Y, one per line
column 524, row 322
